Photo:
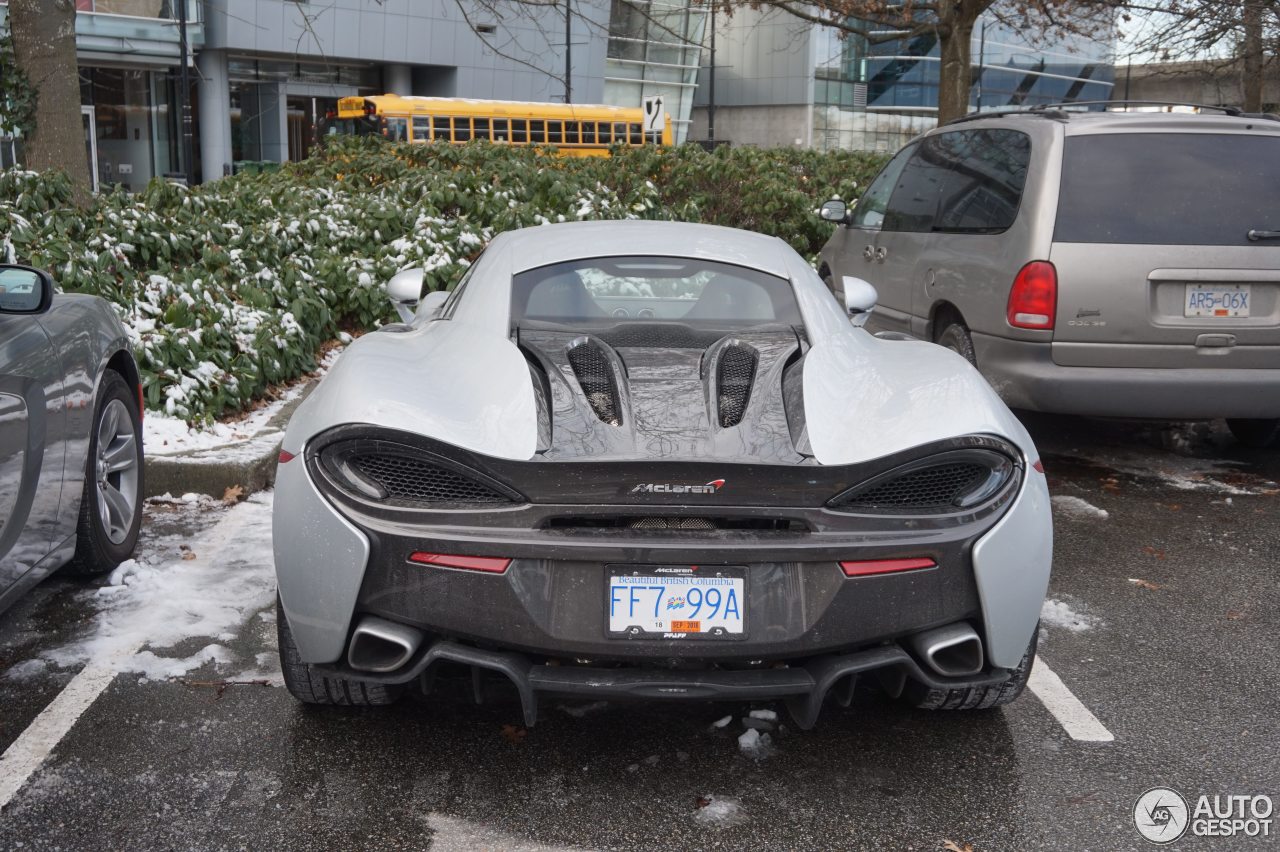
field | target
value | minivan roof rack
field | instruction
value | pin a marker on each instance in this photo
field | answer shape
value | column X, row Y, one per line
column 1061, row 110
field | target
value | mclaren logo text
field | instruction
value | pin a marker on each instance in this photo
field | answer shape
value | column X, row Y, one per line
column 668, row 488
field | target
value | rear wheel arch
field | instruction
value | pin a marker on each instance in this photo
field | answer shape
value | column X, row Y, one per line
column 122, row 362
column 942, row 314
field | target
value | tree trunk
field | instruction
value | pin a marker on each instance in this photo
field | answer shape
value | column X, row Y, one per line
column 44, row 46
column 955, row 43
column 1253, row 56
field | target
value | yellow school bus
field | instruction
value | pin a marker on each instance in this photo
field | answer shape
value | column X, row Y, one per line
column 578, row 130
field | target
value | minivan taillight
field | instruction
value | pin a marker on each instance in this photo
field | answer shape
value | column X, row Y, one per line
column 1033, row 300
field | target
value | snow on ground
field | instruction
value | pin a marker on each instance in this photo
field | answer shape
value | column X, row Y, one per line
column 719, row 811
column 166, row 596
column 1074, row 507
column 755, row 745
column 1058, row 613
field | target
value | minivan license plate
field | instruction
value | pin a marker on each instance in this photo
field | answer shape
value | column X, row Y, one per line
column 677, row 602
column 1217, row 300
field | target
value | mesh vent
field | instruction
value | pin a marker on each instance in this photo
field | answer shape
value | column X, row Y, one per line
column 734, row 375
column 938, row 486
column 595, row 375
column 666, row 523
column 637, row 335
column 418, row 481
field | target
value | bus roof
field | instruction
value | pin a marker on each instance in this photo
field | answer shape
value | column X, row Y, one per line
column 420, row 103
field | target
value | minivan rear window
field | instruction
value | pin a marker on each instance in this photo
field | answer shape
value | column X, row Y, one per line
column 1169, row 189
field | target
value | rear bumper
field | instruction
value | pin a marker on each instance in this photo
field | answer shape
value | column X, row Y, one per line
column 803, row 687
column 1025, row 376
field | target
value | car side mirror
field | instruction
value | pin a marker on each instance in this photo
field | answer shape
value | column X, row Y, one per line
column 859, row 299
column 432, row 303
column 834, row 210
column 405, row 291
column 24, row 290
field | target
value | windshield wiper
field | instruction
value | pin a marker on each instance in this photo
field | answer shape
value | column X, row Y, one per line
column 1255, row 235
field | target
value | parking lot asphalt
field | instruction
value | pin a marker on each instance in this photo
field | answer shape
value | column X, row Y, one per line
column 1161, row 622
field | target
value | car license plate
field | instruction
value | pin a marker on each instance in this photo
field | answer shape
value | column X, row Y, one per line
column 677, row 602
column 1217, row 300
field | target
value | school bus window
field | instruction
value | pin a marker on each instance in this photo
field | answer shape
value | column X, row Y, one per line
column 520, row 131
column 537, row 132
column 619, row 133
column 554, row 134
column 501, row 130
column 440, row 124
column 480, row 128
column 588, row 133
column 571, row 133
column 461, row 128
column 421, row 128
column 398, row 129
column 637, row 135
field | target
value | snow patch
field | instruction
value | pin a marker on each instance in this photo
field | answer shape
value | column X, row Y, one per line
column 755, row 745
column 719, row 812
column 1074, row 507
column 1060, row 614
column 159, row 599
column 26, row 670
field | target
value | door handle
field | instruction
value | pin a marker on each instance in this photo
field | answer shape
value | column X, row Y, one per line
column 881, row 254
column 868, row 253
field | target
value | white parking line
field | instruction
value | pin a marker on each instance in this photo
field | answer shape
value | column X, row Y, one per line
column 1074, row 717
column 25, row 755
column 28, row 751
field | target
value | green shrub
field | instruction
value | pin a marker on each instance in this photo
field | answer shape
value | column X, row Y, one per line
column 233, row 286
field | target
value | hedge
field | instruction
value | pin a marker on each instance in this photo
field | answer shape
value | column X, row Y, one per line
column 233, row 286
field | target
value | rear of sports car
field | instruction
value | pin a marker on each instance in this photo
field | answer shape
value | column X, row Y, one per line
column 672, row 536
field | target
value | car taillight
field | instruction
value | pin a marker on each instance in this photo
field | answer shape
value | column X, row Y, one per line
column 1033, row 300
column 868, row 567
column 285, row 457
column 491, row 564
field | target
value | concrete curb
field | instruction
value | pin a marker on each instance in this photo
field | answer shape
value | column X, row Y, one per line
column 250, row 463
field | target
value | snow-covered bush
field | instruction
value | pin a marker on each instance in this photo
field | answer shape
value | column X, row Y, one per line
column 233, row 286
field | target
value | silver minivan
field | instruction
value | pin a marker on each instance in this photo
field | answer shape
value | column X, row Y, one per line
column 1100, row 263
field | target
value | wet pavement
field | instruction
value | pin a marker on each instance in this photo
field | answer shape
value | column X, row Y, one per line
column 1161, row 621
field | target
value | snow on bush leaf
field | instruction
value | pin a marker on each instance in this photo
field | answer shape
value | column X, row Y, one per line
column 232, row 286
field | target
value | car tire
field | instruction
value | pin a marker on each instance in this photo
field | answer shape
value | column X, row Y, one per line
column 111, row 503
column 975, row 698
column 955, row 336
column 309, row 686
column 1256, row 433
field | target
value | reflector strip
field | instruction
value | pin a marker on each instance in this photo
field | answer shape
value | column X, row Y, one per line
column 868, row 567
column 491, row 564
column 286, row 457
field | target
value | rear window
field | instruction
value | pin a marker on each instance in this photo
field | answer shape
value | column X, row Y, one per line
column 696, row 293
column 1168, row 189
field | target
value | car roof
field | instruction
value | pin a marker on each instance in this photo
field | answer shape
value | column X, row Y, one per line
column 1081, row 122
column 530, row 248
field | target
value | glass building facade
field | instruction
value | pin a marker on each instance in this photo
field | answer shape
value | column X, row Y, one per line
column 655, row 48
column 876, row 96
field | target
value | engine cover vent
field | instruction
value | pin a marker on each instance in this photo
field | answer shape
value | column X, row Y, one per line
column 417, row 481
column 595, row 375
column 735, row 373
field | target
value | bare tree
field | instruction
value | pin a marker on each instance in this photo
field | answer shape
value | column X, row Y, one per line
column 951, row 21
column 44, row 47
column 1233, row 35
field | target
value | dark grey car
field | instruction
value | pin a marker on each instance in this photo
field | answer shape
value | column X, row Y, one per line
column 1100, row 263
column 70, row 434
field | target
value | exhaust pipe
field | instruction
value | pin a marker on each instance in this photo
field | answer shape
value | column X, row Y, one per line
column 379, row 645
column 952, row 651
